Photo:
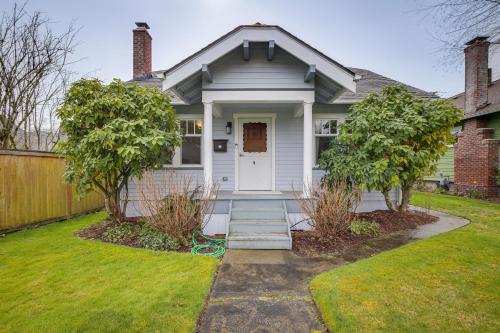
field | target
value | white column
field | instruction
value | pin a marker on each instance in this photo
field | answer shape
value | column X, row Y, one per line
column 207, row 144
column 308, row 151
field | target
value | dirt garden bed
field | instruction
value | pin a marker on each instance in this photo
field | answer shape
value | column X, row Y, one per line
column 309, row 243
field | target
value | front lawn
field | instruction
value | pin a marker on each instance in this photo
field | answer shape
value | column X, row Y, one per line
column 52, row 281
column 450, row 282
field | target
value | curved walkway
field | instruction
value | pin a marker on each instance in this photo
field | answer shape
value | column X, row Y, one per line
column 267, row 290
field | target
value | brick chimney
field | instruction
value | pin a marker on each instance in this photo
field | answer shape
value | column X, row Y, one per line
column 141, row 50
column 477, row 76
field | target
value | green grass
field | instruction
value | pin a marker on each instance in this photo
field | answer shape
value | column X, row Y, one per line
column 52, row 281
column 447, row 283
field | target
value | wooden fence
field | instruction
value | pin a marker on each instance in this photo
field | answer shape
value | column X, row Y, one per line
column 32, row 190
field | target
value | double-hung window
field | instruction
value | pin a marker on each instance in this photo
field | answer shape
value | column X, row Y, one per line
column 190, row 151
column 325, row 130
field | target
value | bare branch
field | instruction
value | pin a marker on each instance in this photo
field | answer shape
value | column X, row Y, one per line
column 34, row 74
column 455, row 22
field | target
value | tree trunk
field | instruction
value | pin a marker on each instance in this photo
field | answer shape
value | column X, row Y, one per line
column 114, row 207
column 388, row 201
column 405, row 198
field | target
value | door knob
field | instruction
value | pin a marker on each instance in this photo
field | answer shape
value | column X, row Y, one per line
column 253, row 162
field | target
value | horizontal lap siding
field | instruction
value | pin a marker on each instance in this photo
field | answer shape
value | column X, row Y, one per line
column 223, row 163
column 162, row 179
column 232, row 72
column 289, row 147
column 373, row 200
column 445, row 167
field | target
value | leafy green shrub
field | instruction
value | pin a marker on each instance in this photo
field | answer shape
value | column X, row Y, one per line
column 140, row 235
column 151, row 238
column 439, row 190
column 114, row 132
column 394, row 138
column 120, row 233
column 360, row 227
column 474, row 194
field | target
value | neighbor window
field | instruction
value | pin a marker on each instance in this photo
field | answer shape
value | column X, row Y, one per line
column 324, row 131
column 189, row 153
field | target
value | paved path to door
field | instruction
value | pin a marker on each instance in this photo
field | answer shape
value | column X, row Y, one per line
column 267, row 290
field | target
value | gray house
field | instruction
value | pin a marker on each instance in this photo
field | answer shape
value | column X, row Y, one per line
column 258, row 107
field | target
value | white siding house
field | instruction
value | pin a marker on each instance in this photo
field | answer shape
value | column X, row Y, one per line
column 271, row 101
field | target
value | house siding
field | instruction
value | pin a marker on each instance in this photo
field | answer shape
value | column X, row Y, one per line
column 232, row 72
column 288, row 150
column 445, row 167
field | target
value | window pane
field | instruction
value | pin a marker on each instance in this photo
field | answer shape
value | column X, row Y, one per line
column 198, row 127
column 190, row 127
column 191, row 150
column 322, row 144
column 255, row 137
column 333, row 127
column 322, row 127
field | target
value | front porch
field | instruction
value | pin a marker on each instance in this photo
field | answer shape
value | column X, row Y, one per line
column 258, row 142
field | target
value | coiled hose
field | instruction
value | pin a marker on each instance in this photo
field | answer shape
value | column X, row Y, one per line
column 214, row 248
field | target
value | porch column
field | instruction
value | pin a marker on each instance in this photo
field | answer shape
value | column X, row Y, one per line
column 308, row 151
column 207, row 145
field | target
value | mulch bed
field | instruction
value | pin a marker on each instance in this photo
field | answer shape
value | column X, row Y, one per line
column 96, row 232
column 309, row 243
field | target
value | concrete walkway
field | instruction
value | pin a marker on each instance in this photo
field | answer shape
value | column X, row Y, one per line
column 267, row 290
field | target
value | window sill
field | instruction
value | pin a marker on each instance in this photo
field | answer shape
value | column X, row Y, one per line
column 184, row 167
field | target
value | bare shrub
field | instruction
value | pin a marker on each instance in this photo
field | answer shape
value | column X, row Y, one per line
column 175, row 205
column 330, row 207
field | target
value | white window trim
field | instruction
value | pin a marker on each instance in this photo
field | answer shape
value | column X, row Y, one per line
column 339, row 117
column 177, row 159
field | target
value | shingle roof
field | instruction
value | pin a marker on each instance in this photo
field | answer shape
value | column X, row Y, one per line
column 373, row 82
column 369, row 82
column 493, row 105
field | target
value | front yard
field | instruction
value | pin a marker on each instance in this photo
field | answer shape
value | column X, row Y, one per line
column 52, row 281
column 450, row 282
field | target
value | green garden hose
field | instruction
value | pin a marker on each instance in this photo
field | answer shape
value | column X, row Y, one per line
column 214, row 248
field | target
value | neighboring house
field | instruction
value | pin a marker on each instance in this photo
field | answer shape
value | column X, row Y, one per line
column 258, row 106
column 477, row 149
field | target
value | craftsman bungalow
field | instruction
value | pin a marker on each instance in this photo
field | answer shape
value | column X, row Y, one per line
column 257, row 107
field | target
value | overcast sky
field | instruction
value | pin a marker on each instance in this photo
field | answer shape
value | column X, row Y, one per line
column 385, row 36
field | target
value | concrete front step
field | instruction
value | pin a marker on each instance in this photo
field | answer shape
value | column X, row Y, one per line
column 269, row 241
column 245, row 213
column 258, row 226
column 250, row 204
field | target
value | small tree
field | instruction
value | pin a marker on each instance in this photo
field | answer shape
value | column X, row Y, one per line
column 393, row 139
column 114, row 132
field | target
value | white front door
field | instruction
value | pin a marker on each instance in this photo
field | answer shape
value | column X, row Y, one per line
column 255, row 154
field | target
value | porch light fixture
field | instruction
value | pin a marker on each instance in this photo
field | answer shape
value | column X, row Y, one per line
column 229, row 127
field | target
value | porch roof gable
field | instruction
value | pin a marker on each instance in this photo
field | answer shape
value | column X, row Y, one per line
column 260, row 33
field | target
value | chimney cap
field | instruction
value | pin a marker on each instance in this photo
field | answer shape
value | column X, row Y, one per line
column 142, row 25
column 476, row 39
